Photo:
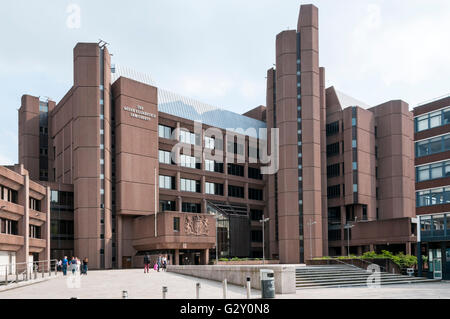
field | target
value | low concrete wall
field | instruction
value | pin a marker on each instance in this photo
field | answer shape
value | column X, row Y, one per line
column 284, row 275
column 248, row 262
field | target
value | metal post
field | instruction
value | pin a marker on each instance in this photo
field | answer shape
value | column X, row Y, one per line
column 197, row 291
column 348, row 240
column 225, row 288
column 124, row 294
column 217, row 241
column 17, row 275
column 42, row 271
column 164, row 292
column 249, row 288
column 6, row 275
column 263, row 238
column 56, row 268
column 35, row 270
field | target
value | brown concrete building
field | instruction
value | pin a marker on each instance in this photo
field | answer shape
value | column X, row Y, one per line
column 432, row 147
column 345, row 169
column 106, row 149
column 24, row 219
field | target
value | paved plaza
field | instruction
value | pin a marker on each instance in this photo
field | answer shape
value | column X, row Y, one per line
column 110, row 284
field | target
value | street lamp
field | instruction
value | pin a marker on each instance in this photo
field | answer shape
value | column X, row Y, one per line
column 263, row 221
column 310, row 223
column 348, row 226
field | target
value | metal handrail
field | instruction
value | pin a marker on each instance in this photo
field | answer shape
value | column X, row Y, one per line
column 26, row 269
column 367, row 262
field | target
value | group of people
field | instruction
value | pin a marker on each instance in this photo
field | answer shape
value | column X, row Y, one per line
column 75, row 265
column 161, row 263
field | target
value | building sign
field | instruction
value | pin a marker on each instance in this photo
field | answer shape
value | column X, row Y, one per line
column 139, row 113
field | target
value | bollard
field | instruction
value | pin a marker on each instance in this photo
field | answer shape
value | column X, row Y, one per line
column 35, row 274
column 6, row 275
column 17, row 276
column 164, row 292
column 42, row 271
column 197, row 290
column 124, row 294
column 225, row 288
column 249, row 288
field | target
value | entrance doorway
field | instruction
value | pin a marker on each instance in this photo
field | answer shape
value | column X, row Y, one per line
column 126, row 262
column 435, row 262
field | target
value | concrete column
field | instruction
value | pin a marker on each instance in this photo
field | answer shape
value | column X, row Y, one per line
column 359, row 250
column 45, row 255
column 179, row 204
column 408, row 248
column 24, row 224
column 205, row 257
column 177, row 257
column 119, row 239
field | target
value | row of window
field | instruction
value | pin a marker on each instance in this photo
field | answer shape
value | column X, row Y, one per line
column 432, row 197
column 431, row 120
column 433, row 145
column 214, row 188
column 332, row 128
column 210, row 165
column 432, row 171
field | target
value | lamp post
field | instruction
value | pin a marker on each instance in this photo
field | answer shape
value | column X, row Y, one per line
column 348, row 226
column 310, row 223
column 263, row 221
column 216, row 217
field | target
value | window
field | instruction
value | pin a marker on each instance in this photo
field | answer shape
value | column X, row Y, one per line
column 189, row 138
column 209, row 188
column 191, row 208
column 257, row 236
column 209, row 165
column 256, row 214
column 167, row 205
column 190, row 161
column 35, row 231
column 236, row 148
column 332, row 128
column 254, row 173
column 333, row 170
column 255, row 194
column 433, row 171
column 34, row 204
column 209, row 142
column 353, row 143
column 334, row 191
column 236, row 170
column 9, row 195
column 176, row 224
column 189, row 185
column 235, row 191
column 165, row 157
column 165, row 131
column 354, row 166
column 432, row 197
column 355, row 188
column 364, row 212
column 431, row 120
column 433, row 146
column 166, row 182
column 9, row 227
column 333, row 149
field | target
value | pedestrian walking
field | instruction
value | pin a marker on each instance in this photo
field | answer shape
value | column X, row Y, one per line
column 85, row 265
column 164, row 266
column 73, row 265
column 146, row 263
column 65, row 263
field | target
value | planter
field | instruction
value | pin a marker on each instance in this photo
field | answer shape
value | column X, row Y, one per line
column 386, row 264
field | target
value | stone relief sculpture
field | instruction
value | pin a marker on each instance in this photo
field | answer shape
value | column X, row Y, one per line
column 196, row 225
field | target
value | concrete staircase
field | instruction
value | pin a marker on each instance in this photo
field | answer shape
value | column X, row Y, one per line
column 335, row 276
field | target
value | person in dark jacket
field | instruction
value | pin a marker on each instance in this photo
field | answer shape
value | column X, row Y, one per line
column 85, row 265
column 65, row 263
column 146, row 263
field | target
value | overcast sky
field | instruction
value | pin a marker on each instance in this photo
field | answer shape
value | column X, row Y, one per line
column 219, row 51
